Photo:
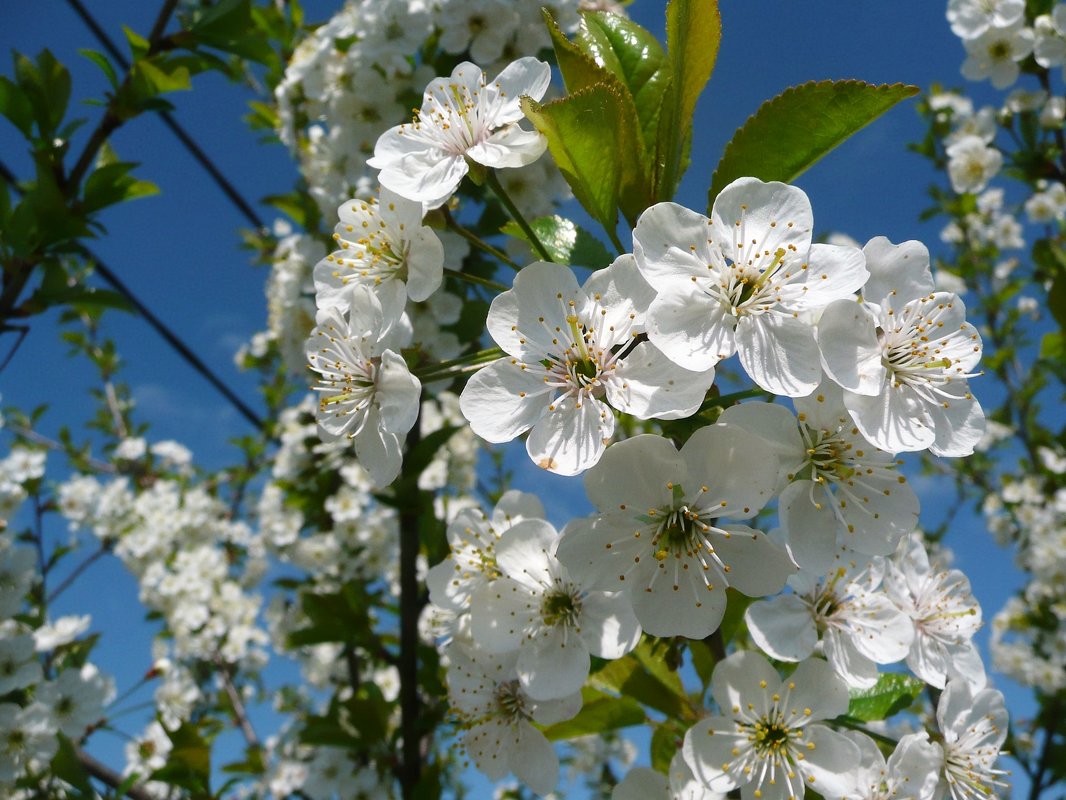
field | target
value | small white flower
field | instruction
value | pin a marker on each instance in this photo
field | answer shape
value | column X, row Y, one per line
column 553, row 620
column 472, row 537
column 858, row 624
column 19, row 667
column 464, row 116
column 996, row 54
column 498, row 715
column 903, row 357
column 742, row 282
column 366, row 392
column 658, row 533
column 972, row 164
column 974, row 727
column 765, row 740
column 945, row 615
column 573, row 353
column 839, row 490
column 64, row 631
column 971, row 18
column 912, row 771
column 385, row 246
column 76, row 698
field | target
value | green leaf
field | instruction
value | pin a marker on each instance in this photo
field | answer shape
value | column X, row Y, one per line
column 46, row 86
column 693, row 34
column 567, row 242
column 591, row 64
column 629, row 678
column 189, row 761
column 159, row 77
column 893, row 692
column 664, row 744
column 68, row 767
column 138, row 44
column 101, row 61
column 632, row 54
column 587, row 139
column 228, row 26
column 599, row 713
column 15, row 106
column 112, row 184
column 799, row 126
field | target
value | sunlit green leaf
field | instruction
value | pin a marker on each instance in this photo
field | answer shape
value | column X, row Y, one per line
column 793, row 130
column 567, row 242
column 893, row 692
column 599, row 713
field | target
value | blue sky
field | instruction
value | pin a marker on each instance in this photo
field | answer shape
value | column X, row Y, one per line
column 180, row 251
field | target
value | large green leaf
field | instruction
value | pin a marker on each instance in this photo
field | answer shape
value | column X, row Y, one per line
column 588, row 141
column 632, row 55
column 599, row 713
column 588, row 64
column 799, row 126
column 567, row 242
column 693, row 33
column 630, row 678
column 893, row 692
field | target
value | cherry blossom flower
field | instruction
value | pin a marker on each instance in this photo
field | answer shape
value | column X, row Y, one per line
column 472, row 537
column 997, row 53
column 911, row 771
column 903, row 359
column 572, row 351
column 658, row 534
column 765, row 743
column 971, row 18
column 642, row 783
column 551, row 619
column 973, row 725
column 385, row 246
column 463, row 117
column 858, row 624
column 366, row 392
column 498, row 717
column 972, row 163
column 945, row 615
column 839, row 490
column 742, row 281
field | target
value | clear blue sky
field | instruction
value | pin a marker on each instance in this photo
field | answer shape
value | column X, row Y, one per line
column 180, row 252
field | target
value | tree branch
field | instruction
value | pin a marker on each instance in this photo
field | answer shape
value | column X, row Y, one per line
column 105, row 774
column 410, row 608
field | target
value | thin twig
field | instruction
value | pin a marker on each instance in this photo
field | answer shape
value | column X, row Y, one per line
column 104, row 548
column 477, row 241
column 497, row 188
column 31, row 435
column 240, row 713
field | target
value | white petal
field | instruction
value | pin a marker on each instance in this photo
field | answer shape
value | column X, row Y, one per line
column 500, row 613
column 380, row 453
column 425, row 264
column 757, row 565
column 901, row 270
column 833, row 272
column 708, row 746
column 960, row 426
column 571, row 437
column 524, row 552
column 661, row 240
column 535, row 762
column 813, row 531
column 782, row 627
column 397, row 394
column 858, row 671
column 673, row 601
column 501, row 401
column 744, row 677
column 648, row 385
column 739, row 471
column 893, row 420
column 635, row 473
column 851, row 354
column 779, row 353
column 608, row 624
column 777, row 427
column 831, row 763
column 775, row 215
column 817, row 689
column 621, row 292
column 642, row 783
column 691, row 329
column 554, row 665
column 509, row 146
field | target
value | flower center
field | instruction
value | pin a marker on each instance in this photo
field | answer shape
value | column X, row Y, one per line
column 560, row 607
column 770, row 737
column 510, row 703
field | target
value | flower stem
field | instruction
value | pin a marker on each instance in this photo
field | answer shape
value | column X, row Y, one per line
column 477, row 241
column 726, row 400
column 458, row 366
column 494, row 183
column 475, row 280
